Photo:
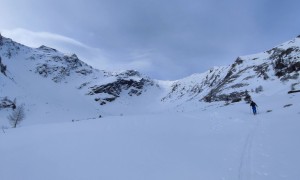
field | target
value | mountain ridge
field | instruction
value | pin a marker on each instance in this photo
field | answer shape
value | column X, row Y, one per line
column 29, row 75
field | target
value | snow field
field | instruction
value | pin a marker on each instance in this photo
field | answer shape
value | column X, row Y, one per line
column 218, row 143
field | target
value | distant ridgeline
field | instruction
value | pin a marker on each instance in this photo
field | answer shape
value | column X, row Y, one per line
column 248, row 75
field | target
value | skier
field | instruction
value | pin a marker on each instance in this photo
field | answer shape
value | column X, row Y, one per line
column 253, row 105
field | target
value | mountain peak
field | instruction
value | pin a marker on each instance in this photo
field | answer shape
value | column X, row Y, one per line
column 33, row 71
column 47, row 49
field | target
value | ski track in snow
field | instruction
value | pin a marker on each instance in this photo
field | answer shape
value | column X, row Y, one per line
column 245, row 166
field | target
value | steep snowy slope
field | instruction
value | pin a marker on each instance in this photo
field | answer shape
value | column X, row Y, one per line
column 195, row 86
column 269, row 72
column 52, row 84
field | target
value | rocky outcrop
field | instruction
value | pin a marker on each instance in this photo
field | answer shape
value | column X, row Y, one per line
column 1, row 40
column 113, row 90
column 246, row 75
column 195, row 86
column 63, row 66
column 2, row 67
column 7, row 103
column 286, row 62
column 47, row 49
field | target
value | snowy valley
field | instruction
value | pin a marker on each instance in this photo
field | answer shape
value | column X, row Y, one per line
column 83, row 123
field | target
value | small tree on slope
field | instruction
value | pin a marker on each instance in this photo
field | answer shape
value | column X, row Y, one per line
column 17, row 116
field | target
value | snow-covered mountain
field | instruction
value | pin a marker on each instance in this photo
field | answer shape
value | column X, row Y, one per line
column 52, row 84
column 198, row 127
column 278, row 67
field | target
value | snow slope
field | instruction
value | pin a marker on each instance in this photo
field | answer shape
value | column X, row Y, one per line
column 56, row 87
column 248, row 75
column 220, row 142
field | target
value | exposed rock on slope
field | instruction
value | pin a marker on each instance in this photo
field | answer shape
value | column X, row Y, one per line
column 51, row 64
column 247, row 74
column 130, row 81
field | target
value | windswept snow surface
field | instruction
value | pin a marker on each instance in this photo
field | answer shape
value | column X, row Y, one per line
column 212, row 142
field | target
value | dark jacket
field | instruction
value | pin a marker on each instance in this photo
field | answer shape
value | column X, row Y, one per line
column 253, row 104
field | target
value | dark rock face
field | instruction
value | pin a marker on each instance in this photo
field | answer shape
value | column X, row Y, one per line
column 84, row 71
column 285, row 61
column 231, row 97
column 2, row 67
column 129, row 73
column 239, row 61
column 114, row 89
column 1, row 40
column 7, row 103
column 47, row 49
column 262, row 70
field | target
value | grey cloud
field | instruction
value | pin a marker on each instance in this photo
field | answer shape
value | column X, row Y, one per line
column 180, row 37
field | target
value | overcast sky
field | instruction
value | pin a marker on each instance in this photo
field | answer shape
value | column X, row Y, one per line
column 164, row 39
